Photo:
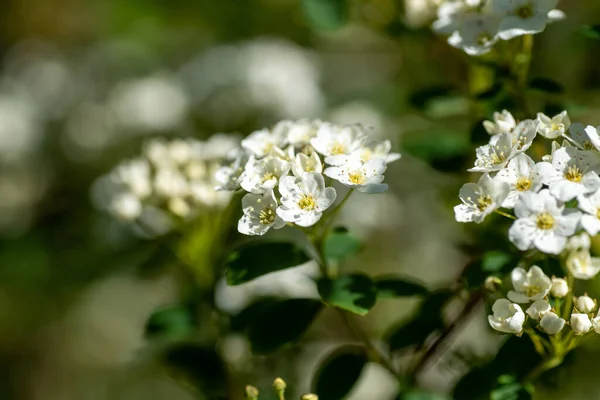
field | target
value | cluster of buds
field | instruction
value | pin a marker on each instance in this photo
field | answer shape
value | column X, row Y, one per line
column 279, row 387
column 287, row 171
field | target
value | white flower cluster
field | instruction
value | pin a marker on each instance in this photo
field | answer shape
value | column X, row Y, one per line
column 552, row 199
column 544, row 294
column 476, row 25
column 172, row 181
column 282, row 170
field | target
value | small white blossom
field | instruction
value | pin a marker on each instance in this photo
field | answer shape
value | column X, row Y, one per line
column 523, row 17
column 170, row 182
column 288, row 154
column 179, row 207
column 582, row 265
column 332, row 139
column 570, row 174
column 560, row 287
column 522, row 175
column 477, row 34
column 370, row 151
column 532, row 285
column 495, row 155
column 260, row 143
column 304, row 164
column 585, row 138
column 552, row 323
column 365, row 177
column 585, row 304
column 297, row 133
column 303, row 199
column 594, row 136
column 580, row 323
column 590, row 205
column 503, row 122
column 480, row 199
column 523, row 134
column 542, row 223
column 538, row 309
column 579, row 242
column 596, row 324
column 263, row 175
column 508, row 317
column 229, row 176
column 552, row 128
column 135, row 176
column 126, row 206
column 260, row 214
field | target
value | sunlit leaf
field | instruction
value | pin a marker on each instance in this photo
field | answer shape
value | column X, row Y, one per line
column 259, row 258
column 172, row 322
column 341, row 244
column 356, row 293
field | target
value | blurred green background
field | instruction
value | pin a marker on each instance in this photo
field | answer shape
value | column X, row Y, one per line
column 84, row 82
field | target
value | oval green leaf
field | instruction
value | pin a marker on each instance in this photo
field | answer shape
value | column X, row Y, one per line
column 338, row 374
column 355, row 293
column 256, row 259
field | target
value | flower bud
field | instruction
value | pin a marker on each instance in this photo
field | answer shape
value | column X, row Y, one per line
column 580, row 323
column 309, row 396
column 279, row 386
column 585, row 304
column 560, row 287
column 596, row 324
column 493, row 283
column 551, row 323
column 251, row 393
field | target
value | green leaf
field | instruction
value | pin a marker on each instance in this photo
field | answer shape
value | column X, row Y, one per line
column 338, row 374
column 494, row 261
column 271, row 324
column 398, row 287
column 591, row 31
column 198, row 366
column 326, row 15
column 355, row 293
column 546, row 85
column 341, row 244
column 171, row 322
column 259, row 258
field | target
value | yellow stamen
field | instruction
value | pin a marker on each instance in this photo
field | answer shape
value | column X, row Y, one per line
column 307, row 202
column 545, row 221
column 266, row 216
column 523, row 184
column 573, row 174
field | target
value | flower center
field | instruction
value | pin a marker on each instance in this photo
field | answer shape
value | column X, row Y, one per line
column 523, row 184
column 598, row 213
column 533, row 290
column 555, row 127
column 525, row 11
column 545, row 221
column 336, row 148
column 356, row 177
column 497, row 156
column 484, row 38
column 266, row 216
column 268, row 176
column 587, row 145
column 307, row 202
column 484, row 202
column 573, row 174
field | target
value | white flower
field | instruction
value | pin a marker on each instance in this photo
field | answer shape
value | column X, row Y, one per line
column 135, row 176
column 263, row 175
column 364, row 177
column 503, row 122
column 260, row 214
column 297, row 133
column 570, row 174
column 523, row 17
column 170, row 182
column 555, row 146
column 529, row 285
column 552, row 323
column 538, row 309
column 495, row 155
column 552, row 128
column 560, row 287
column 480, row 199
column 303, row 164
column 477, row 34
column 582, row 265
column 508, row 317
column 334, row 139
column 126, row 206
column 585, row 138
column 579, row 242
column 541, row 223
column 580, row 323
column 585, row 304
column 590, row 205
column 370, row 151
column 303, row 199
column 229, row 176
column 523, row 134
column 260, row 143
column 522, row 175
column 596, row 324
